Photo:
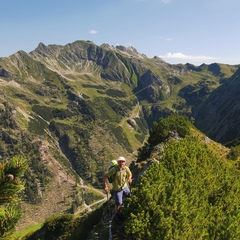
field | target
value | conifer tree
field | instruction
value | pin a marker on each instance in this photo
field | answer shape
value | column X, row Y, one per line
column 11, row 185
column 162, row 130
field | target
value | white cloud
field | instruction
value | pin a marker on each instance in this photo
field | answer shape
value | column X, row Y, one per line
column 183, row 57
column 166, row 1
column 93, row 32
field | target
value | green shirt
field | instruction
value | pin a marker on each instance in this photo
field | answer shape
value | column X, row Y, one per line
column 120, row 180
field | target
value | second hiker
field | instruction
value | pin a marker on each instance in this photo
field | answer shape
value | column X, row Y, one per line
column 123, row 176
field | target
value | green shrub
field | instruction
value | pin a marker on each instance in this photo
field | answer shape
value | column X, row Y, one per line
column 116, row 93
column 234, row 153
column 44, row 111
column 57, row 227
column 161, row 130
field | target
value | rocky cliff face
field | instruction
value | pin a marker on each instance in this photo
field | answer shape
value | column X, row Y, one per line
column 219, row 115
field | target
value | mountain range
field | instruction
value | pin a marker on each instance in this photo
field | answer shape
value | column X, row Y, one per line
column 71, row 109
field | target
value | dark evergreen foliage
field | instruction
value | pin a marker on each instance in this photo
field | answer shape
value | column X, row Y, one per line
column 67, row 226
column 234, row 153
column 11, row 185
column 161, row 131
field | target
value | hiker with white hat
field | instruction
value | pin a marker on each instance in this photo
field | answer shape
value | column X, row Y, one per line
column 123, row 176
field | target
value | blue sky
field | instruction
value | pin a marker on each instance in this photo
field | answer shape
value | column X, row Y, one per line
column 178, row 31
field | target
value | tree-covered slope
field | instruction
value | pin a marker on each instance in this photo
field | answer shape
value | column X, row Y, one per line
column 190, row 194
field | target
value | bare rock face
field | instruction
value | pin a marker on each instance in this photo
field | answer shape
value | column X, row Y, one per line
column 4, row 73
column 219, row 114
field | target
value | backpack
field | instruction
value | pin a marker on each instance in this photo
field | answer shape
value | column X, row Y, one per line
column 113, row 164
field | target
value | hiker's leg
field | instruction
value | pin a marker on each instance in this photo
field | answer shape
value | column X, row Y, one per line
column 118, row 200
column 117, row 208
column 127, row 192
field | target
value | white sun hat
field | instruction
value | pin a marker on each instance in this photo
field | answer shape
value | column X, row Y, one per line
column 122, row 159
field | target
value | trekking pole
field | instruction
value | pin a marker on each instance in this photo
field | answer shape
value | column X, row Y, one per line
column 110, row 225
column 110, row 230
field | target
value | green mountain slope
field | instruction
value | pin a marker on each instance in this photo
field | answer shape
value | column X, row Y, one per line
column 185, row 189
column 70, row 109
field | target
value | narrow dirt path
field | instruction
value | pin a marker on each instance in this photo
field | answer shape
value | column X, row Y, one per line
column 134, row 114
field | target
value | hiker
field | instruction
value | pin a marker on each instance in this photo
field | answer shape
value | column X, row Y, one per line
column 123, row 176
